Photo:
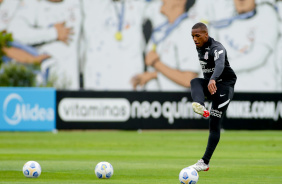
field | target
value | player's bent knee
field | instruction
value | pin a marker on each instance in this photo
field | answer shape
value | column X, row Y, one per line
column 194, row 81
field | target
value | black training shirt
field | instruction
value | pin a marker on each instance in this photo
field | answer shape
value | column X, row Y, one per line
column 214, row 62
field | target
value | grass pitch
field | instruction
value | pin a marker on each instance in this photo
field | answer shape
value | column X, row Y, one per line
column 147, row 157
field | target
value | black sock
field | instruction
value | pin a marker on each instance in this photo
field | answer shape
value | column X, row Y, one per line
column 205, row 161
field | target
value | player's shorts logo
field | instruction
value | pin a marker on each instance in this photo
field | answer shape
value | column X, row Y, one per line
column 216, row 113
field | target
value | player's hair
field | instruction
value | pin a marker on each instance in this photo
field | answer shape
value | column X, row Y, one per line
column 200, row 25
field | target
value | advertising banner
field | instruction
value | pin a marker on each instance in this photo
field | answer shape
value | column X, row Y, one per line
column 165, row 110
column 27, row 109
column 255, row 111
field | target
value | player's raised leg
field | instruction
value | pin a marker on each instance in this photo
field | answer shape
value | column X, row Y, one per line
column 198, row 93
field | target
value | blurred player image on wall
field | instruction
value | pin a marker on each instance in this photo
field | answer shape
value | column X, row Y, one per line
column 207, row 11
column 216, row 86
column 52, row 27
column 278, row 58
column 17, row 52
column 114, row 41
column 251, row 39
column 170, row 57
column 8, row 8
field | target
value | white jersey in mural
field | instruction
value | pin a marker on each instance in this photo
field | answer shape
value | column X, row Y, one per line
column 250, row 44
column 114, row 41
column 279, row 47
column 34, row 25
column 177, row 51
column 265, row 1
column 8, row 9
column 207, row 10
column 211, row 10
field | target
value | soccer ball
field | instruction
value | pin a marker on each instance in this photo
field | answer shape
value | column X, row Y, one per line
column 31, row 169
column 188, row 175
column 104, row 170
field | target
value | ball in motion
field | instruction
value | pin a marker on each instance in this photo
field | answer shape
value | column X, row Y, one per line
column 104, row 170
column 188, row 175
column 31, row 169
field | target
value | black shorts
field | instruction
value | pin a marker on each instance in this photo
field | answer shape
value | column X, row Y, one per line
column 220, row 100
column 222, row 97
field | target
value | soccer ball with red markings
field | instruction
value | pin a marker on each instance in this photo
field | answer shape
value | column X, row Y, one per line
column 31, row 169
column 188, row 175
column 104, row 170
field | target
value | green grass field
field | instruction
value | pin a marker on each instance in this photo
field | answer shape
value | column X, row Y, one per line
column 148, row 157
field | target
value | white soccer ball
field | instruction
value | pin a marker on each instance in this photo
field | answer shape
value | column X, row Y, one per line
column 31, row 169
column 104, row 170
column 188, row 175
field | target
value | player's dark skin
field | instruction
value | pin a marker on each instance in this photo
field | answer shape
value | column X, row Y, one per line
column 200, row 37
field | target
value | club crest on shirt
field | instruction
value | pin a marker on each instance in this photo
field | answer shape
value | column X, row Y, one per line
column 206, row 57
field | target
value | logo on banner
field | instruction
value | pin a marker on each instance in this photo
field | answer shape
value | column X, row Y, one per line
column 255, row 110
column 94, row 109
column 121, row 110
column 16, row 110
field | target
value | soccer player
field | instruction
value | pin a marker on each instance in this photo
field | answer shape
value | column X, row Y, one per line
column 217, row 86
column 169, row 57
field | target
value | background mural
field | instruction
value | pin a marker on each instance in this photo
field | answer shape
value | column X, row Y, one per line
column 112, row 45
